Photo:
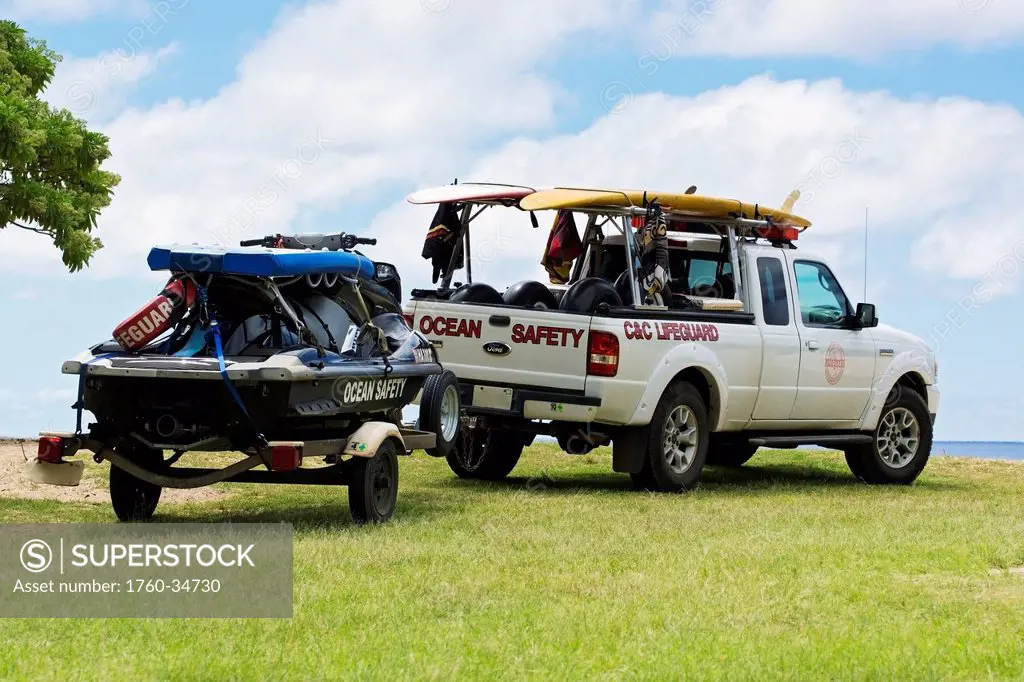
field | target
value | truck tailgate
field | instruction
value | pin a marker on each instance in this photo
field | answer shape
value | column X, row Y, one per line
column 498, row 344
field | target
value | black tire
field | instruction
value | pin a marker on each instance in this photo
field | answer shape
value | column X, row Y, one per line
column 439, row 391
column 659, row 474
column 132, row 498
column 477, row 292
column 587, row 294
column 729, row 453
column 643, row 480
column 530, row 294
column 869, row 463
column 373, row 484
column 486, row 456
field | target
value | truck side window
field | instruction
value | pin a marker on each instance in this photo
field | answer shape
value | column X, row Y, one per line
column 774, row 300
column 822, row 301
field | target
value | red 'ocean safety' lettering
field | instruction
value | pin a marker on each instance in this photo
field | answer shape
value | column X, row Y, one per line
column 451, row 326
column 548, row 336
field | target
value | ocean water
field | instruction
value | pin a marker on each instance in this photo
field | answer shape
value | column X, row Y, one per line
column 983, row 449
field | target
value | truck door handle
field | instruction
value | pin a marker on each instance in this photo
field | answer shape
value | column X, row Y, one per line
column 500, row 320
column 812, row 345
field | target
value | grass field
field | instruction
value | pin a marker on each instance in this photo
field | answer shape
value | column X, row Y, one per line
column 784, row 569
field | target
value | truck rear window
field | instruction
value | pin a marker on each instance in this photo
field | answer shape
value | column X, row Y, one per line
column 774, row 300
column 691, row 273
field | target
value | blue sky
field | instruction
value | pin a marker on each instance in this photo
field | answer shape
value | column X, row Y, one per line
column 207, row 102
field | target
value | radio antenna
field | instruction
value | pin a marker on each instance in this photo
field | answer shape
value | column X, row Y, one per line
column 865, row 254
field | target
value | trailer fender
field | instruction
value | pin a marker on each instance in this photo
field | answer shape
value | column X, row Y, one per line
column 689, row 356
column 368, row 437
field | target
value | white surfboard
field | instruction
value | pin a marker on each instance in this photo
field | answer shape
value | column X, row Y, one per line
column 469, row 191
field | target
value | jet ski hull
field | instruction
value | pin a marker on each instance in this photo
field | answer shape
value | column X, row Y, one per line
column 178, row 402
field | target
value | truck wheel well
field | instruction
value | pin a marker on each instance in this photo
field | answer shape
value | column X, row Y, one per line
column 915, row 383
column 700, row 381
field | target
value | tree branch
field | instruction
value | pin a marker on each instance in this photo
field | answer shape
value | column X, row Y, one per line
column 32, row 229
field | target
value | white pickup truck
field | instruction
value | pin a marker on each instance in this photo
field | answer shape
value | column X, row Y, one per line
column 757, row 344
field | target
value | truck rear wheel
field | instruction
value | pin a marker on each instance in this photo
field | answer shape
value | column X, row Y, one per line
column 901, row 443
column 486, row 455
column 373, row 484
column 677, row 441
column 132, row 498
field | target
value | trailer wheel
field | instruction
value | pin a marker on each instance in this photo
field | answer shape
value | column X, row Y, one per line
column 373, row 484
column 486, row 455
column 132, row 498
column 441, row 411
column 729, row 454
column 901, row 443
column 677, row 441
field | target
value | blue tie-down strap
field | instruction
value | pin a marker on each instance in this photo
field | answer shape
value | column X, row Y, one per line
column 80, row 402
column 214, row 331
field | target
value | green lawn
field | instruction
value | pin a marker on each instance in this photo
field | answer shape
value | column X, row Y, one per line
column 784, row 569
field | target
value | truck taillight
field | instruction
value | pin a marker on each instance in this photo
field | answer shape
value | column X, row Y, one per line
column 602, row 354
column 51, row 449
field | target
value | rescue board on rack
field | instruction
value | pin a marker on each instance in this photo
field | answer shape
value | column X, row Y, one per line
column 469, row 191
column 258, row 261
column 681, row 204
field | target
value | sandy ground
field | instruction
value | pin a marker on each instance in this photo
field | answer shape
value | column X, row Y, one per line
column 14, row 484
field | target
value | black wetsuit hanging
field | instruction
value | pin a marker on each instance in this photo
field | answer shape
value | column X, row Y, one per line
column 442, row 238
column 654, row 261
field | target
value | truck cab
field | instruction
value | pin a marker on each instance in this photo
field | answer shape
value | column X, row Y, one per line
column 747, row 342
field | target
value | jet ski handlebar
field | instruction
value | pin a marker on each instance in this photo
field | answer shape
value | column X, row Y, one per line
column 340, row 241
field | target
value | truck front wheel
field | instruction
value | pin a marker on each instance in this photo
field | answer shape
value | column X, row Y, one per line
column 486, row 455
column 677, row 441
column 900, row 446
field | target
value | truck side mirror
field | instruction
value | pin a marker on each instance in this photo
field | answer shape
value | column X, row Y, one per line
column 866, row 315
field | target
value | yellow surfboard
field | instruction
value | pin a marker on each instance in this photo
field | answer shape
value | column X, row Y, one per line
column 681, row 204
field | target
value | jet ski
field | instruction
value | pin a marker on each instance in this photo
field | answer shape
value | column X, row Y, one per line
column 286, row 346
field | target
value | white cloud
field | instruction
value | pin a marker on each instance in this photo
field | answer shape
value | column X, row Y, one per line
column 60, row 11
column 935, row 171
column 338, row 99
column 95, row 88
column 746, row 28
column 321, row 114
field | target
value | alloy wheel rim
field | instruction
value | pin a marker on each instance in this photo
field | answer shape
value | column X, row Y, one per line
column 898, row 437
column 681, row 438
